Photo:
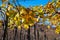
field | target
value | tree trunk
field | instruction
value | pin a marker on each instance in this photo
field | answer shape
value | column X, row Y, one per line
column 28, row 36
column 5, row 29
column 15, row 36
column 35, row 31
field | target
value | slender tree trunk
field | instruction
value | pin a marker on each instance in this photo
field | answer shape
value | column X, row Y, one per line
column 15, row 33
column 21, row 34
column 5, row 29
column 35, row 31
column 24, row 37
column 28, row 36
column 38, row 34
column 45, row 38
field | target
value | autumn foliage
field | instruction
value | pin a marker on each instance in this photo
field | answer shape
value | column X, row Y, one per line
column 20, row 16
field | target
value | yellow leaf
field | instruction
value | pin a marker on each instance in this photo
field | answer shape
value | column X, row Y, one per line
column 17, row 15
column 3, row 5
column 41, row 10
column 31, row 24
column 11, row 22
column 0, row 24
column 26, row 26
column 8, row 8
column 11, row 27
column 48, row 27
column 15, row 18
column 16, row 22
column 23, row 20
column 4, row 0
column 7, row 14
column 57, row 31
column 19, row 27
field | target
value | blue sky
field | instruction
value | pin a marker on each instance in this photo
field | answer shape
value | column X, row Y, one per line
column 29, row 3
